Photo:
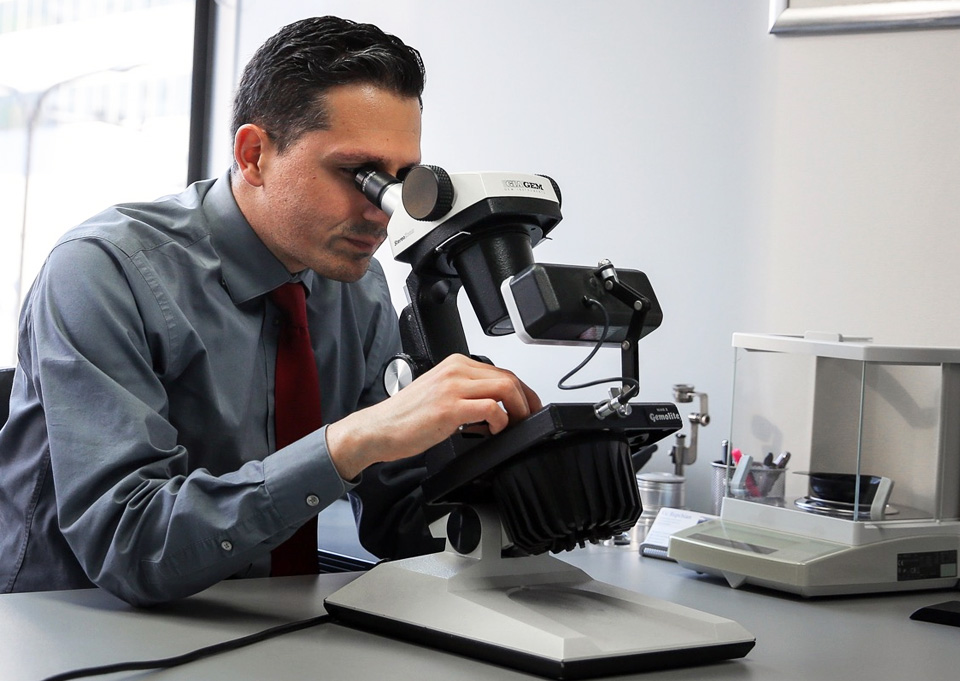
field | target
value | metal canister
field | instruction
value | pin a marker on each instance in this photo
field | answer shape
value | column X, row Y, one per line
column 661, row 490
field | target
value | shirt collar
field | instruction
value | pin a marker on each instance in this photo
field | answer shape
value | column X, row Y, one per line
column 248, row 268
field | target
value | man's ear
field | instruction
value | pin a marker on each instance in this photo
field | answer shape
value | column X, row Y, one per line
column 249, row 145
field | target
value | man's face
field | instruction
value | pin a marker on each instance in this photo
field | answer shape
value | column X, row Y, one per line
column 309, row 213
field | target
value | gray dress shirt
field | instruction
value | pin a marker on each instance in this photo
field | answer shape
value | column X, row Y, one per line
column 139, row 455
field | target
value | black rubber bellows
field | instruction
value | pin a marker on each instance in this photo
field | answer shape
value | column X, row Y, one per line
column 568, row 492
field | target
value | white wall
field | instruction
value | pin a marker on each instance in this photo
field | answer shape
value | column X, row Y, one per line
column 865, row 204
column 763, row 183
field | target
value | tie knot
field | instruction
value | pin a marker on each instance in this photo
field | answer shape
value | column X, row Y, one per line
column 292, row 301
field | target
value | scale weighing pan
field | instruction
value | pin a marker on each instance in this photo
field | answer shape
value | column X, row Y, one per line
column 842, row 487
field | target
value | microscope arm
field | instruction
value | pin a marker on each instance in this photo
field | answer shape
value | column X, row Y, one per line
column 433, row 307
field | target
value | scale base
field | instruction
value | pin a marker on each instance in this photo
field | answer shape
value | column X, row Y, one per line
column 537, row 614
column 811, row 566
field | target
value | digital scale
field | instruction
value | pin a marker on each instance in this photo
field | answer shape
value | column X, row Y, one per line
column 850, row 408
column 791, row 551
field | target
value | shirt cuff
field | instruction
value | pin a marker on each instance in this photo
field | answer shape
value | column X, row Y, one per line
column 302, row 480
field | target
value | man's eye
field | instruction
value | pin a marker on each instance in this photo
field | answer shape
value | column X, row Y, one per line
column 353, row 171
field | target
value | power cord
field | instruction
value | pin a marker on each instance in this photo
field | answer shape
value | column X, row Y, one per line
column 200, row 653
column 624, row 380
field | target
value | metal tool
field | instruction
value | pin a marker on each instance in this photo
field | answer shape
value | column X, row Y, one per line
column 683, row 453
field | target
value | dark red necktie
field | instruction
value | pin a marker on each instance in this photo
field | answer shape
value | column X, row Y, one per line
column 296, row 414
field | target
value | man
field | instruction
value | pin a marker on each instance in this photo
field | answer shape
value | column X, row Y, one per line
column 141, row 453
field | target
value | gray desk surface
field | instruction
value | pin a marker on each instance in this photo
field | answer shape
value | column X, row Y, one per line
column 842, row 638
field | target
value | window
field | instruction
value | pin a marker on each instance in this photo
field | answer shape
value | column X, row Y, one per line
column 94, row 110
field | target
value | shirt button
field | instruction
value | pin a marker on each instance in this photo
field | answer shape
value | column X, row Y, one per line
column 313, row 500
column 226, row 545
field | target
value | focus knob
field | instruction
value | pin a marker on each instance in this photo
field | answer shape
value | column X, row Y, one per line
column 427, row 193
column 556, row 189
column 398, row 374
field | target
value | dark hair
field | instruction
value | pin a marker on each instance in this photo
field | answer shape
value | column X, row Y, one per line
column 282, row 86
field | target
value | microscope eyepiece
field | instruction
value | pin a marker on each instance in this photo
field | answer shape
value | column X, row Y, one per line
column 376, row 185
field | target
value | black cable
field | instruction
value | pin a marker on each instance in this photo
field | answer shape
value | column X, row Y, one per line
column 626, row 380
column 194, row 655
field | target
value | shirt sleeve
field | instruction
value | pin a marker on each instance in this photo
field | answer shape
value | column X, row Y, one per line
column 142, row 521
column 392, row 519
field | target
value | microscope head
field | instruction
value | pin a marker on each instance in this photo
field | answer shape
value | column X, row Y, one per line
column 477, row 227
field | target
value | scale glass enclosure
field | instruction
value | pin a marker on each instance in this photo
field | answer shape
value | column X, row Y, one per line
column 843, row 408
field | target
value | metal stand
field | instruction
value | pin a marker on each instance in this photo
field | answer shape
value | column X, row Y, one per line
column 537, row 614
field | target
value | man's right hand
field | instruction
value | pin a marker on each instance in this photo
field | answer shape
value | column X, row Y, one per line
column 457, row 391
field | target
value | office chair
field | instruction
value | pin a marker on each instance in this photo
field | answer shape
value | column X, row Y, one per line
column 6, row 385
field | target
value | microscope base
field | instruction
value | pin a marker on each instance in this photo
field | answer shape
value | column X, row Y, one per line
column 537, row 614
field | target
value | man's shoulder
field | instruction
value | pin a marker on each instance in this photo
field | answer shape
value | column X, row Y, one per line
column 145, row 226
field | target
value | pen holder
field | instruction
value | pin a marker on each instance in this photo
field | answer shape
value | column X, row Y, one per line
column 764, row 484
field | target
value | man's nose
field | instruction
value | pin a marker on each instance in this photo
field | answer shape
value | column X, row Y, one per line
column 374, row 215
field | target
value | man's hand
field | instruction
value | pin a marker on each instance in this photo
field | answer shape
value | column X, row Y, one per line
column 457, row 391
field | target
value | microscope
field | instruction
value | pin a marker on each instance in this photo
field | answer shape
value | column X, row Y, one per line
column 559, row 479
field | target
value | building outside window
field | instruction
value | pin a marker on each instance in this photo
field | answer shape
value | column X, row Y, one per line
column 94, row 110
